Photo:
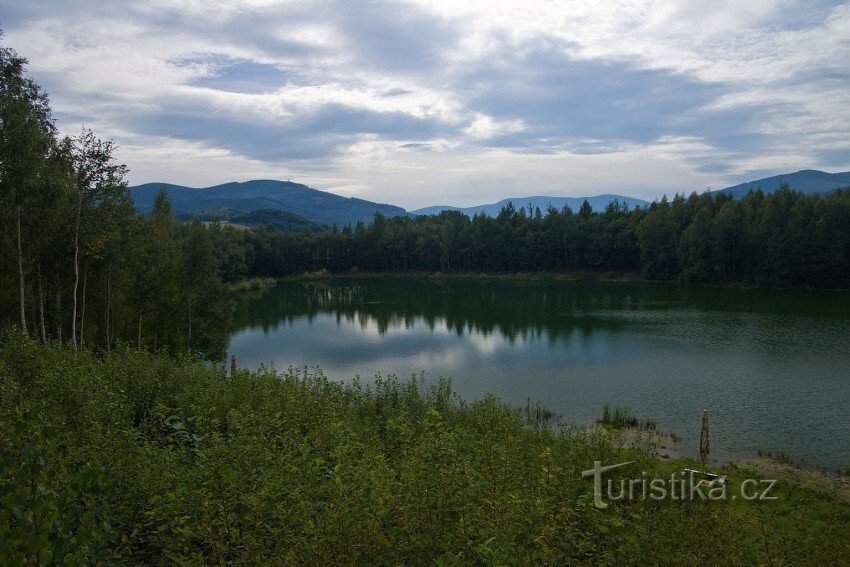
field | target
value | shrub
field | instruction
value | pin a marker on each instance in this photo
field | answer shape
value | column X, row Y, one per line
column 143, row 458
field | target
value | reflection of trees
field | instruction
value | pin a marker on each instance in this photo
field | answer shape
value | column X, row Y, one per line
column 514, row 309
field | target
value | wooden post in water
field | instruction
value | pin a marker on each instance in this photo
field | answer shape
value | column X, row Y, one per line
column 704, row 448
column 233, row 366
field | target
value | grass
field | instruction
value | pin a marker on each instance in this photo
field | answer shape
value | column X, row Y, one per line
column 620, row 418
column 251, row 284
column 135, row 457
column 472, row 276
column 322, row 274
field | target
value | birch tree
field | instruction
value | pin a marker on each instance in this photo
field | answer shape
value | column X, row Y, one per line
column 26, row 134
column 99, row 187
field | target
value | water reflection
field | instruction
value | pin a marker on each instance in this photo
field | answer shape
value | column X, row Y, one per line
column 772, row 367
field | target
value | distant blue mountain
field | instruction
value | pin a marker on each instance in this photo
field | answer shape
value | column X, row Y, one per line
column 230, row 200
column 807, row 181
column 264, row 195
column 599, row 202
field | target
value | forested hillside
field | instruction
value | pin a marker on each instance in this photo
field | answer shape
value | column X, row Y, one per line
column 283, row 221
column 808, row 181
column 598, row 202
column 785, row 239
column 266, row 194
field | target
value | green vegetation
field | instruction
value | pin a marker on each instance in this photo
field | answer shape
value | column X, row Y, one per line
column 322, row 274
column 294, row 199
column 784, row 239
column 133, row 457
column 620, row 418
column 252, row 284
column 79, row 265
column 284, row 221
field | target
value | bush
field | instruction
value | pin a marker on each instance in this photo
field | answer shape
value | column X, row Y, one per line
column 143, row 458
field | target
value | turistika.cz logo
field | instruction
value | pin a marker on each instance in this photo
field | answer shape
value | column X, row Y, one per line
column 685, row 485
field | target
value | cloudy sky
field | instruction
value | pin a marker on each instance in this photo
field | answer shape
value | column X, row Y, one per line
column 448, row 102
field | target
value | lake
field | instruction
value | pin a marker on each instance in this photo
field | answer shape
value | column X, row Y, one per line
column 772, row 368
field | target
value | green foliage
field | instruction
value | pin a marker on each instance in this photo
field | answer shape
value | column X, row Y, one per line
column 134, row 457
column 785, row 239
column 77, row 263
column 621, row 418
column 284, row 221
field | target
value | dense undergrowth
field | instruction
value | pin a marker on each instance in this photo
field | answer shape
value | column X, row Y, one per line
column 133, row 457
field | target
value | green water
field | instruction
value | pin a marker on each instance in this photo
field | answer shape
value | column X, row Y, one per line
column 772, row 368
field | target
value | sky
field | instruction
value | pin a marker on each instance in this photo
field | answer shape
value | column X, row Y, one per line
column 445, row 102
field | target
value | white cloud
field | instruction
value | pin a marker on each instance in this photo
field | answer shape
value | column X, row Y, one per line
column 484, row 127
column 386, row 101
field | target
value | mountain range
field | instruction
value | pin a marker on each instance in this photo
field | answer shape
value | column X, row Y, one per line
column 293, row 206
column 805, row 181
column 264, row 194
column 599, row 202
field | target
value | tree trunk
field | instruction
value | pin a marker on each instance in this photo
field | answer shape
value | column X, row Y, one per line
column 566, row 255
column 59, row 310
column 734, row 251
column 189, row 338
column 107, row 339
column 21, row 271
column 34, row 320
column 83, row 304
column 42, row 329
column 139, row 336
column 76, row 281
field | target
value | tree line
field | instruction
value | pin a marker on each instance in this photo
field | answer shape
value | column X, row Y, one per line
column 784, row 239
column 79, row 265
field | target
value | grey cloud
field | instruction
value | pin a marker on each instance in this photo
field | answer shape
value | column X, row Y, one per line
column 386, row 36
column 415, row 146
column 316, row 135
column 396, row 92
column 596, row 148
column 565, row 104
column 721, row 168
column 560, row 98
column 245, row 76
column 396, row 37
column 834, row 158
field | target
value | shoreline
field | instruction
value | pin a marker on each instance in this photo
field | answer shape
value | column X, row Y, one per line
column 665, row 446
column 540, row 277
column 310, row 460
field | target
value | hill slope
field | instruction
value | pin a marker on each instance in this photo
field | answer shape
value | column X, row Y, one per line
column 257, row 195
column 284, row 221
column 805, row 181
column 599, row 202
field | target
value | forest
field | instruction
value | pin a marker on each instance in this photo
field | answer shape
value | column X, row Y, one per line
column 80, row 266
column 782, row 240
